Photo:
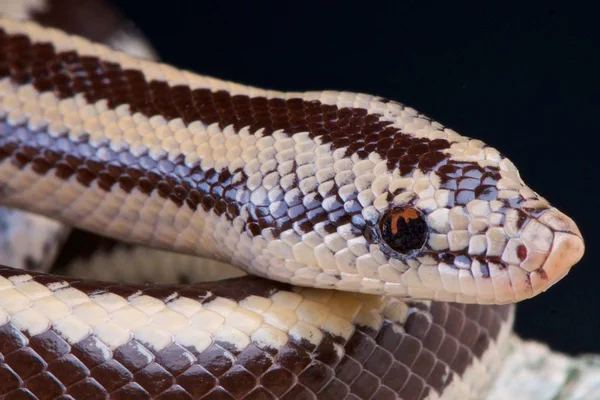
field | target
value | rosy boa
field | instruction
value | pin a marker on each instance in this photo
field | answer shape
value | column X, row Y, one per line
column 389, row 242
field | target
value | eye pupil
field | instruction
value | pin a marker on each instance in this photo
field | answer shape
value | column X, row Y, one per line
column 403, row 229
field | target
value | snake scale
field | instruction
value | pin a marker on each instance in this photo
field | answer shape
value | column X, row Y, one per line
column 384, row 250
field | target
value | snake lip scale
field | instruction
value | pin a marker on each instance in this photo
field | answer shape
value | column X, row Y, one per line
column 384, row 250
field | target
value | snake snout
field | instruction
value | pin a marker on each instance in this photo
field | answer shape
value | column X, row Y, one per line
column 552, row 244
column 567, row 246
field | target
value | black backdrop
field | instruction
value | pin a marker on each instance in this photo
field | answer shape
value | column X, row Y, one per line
column 523, row 78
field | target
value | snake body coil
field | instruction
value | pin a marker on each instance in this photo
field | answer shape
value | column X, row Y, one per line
column 346, row 203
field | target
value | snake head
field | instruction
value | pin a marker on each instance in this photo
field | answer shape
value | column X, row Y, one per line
column 416, row 210
column 465, row 227
column 449, row 218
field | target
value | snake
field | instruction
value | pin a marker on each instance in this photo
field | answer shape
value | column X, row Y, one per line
column 382, row 251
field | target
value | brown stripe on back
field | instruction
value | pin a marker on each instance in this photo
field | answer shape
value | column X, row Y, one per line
column 67, row 73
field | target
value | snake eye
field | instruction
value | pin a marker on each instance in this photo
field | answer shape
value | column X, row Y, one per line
column 403, row 229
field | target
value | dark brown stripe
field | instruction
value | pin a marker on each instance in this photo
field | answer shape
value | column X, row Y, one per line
column 383, row 363
column 66, row 74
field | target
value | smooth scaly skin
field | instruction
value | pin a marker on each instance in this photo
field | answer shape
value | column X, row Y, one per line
column 215, row 180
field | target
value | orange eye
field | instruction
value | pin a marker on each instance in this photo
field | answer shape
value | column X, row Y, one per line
column 403, row 229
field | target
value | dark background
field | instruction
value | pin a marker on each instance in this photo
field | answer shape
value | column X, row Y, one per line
column 523, row 78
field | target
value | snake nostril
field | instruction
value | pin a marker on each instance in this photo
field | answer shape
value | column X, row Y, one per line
column 522, row 252
column 403, row 229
